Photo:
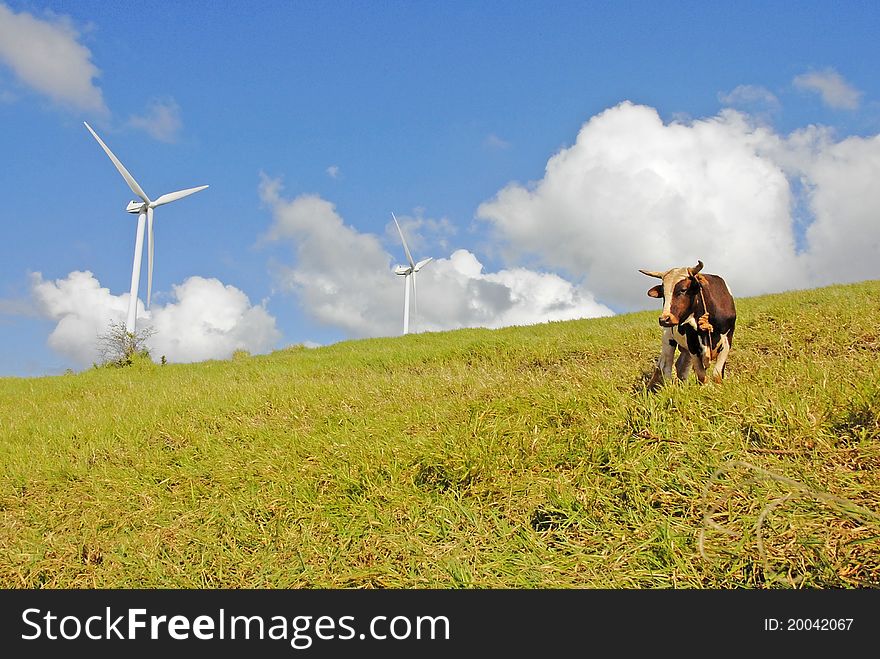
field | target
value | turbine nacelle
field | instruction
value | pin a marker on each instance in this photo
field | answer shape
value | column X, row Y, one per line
column 403, row 270
column 135, row 207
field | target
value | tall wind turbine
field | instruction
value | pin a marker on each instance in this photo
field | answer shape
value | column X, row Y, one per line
column 144, row 210
column 408, row 272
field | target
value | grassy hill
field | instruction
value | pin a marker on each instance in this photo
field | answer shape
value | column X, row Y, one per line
column 527, row 457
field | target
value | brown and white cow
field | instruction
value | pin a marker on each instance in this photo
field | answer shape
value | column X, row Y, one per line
column 700, row 333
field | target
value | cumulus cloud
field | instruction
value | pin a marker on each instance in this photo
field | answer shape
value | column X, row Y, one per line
column 333, row 171
column 420, row 231
column 634, row 192
column 843, row 196
column 751, row 98
column 205, row 320
column 210, row 320
column 83, row 310
column 830, row 85
column 335, row 264
column 161, row 121
column 455, row 292
column 344, row 278
column 45, row 54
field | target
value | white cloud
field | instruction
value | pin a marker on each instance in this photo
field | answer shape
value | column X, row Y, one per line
column 340, row 275
column 45, row 54
column 344, row 278
column 333, row 171
column 496, row 143
column 210, row 320
column 830, row 85
column 844, row 238
column 420, row 231
column 752, row 98
column 82, row 309
column 633, row 192
column 206, row 320
column 161, row 121
column 455, row 292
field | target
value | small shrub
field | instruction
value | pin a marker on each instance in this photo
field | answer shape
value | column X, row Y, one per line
column 119, row 347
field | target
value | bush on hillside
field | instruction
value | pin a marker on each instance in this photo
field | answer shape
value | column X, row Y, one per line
column 118, row 347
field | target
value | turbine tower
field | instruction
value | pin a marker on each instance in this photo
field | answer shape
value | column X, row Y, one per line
column 144, row 210
column 408, row 272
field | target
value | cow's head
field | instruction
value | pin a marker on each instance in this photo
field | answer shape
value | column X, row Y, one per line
column 678, row 289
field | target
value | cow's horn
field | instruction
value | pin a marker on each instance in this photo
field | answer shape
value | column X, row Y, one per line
column 695, row 269
column 652, row 273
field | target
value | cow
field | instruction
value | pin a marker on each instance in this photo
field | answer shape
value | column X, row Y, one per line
column 698, row 318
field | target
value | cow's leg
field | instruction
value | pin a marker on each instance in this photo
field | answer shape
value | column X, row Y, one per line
column 663, row 368
column 705, row 353
column 699, row 369
column 683, row 365
column 695, row 346
column 656, row 378
column 721, row 360
column 667, row 353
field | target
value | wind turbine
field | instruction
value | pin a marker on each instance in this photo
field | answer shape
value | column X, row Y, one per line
column 144, row 210
column 408, row 272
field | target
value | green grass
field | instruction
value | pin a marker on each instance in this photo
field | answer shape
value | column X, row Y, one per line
column 528, row 457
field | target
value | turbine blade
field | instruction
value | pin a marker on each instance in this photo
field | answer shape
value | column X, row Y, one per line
column 119, row 166
column 415, row 297
column 403, row 240
column 421, row 264
column 149, row 255
column 174, row 196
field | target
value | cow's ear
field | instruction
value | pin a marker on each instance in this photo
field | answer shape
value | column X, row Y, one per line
column 656, row 291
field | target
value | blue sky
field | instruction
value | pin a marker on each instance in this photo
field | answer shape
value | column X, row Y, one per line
column 481, row 125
